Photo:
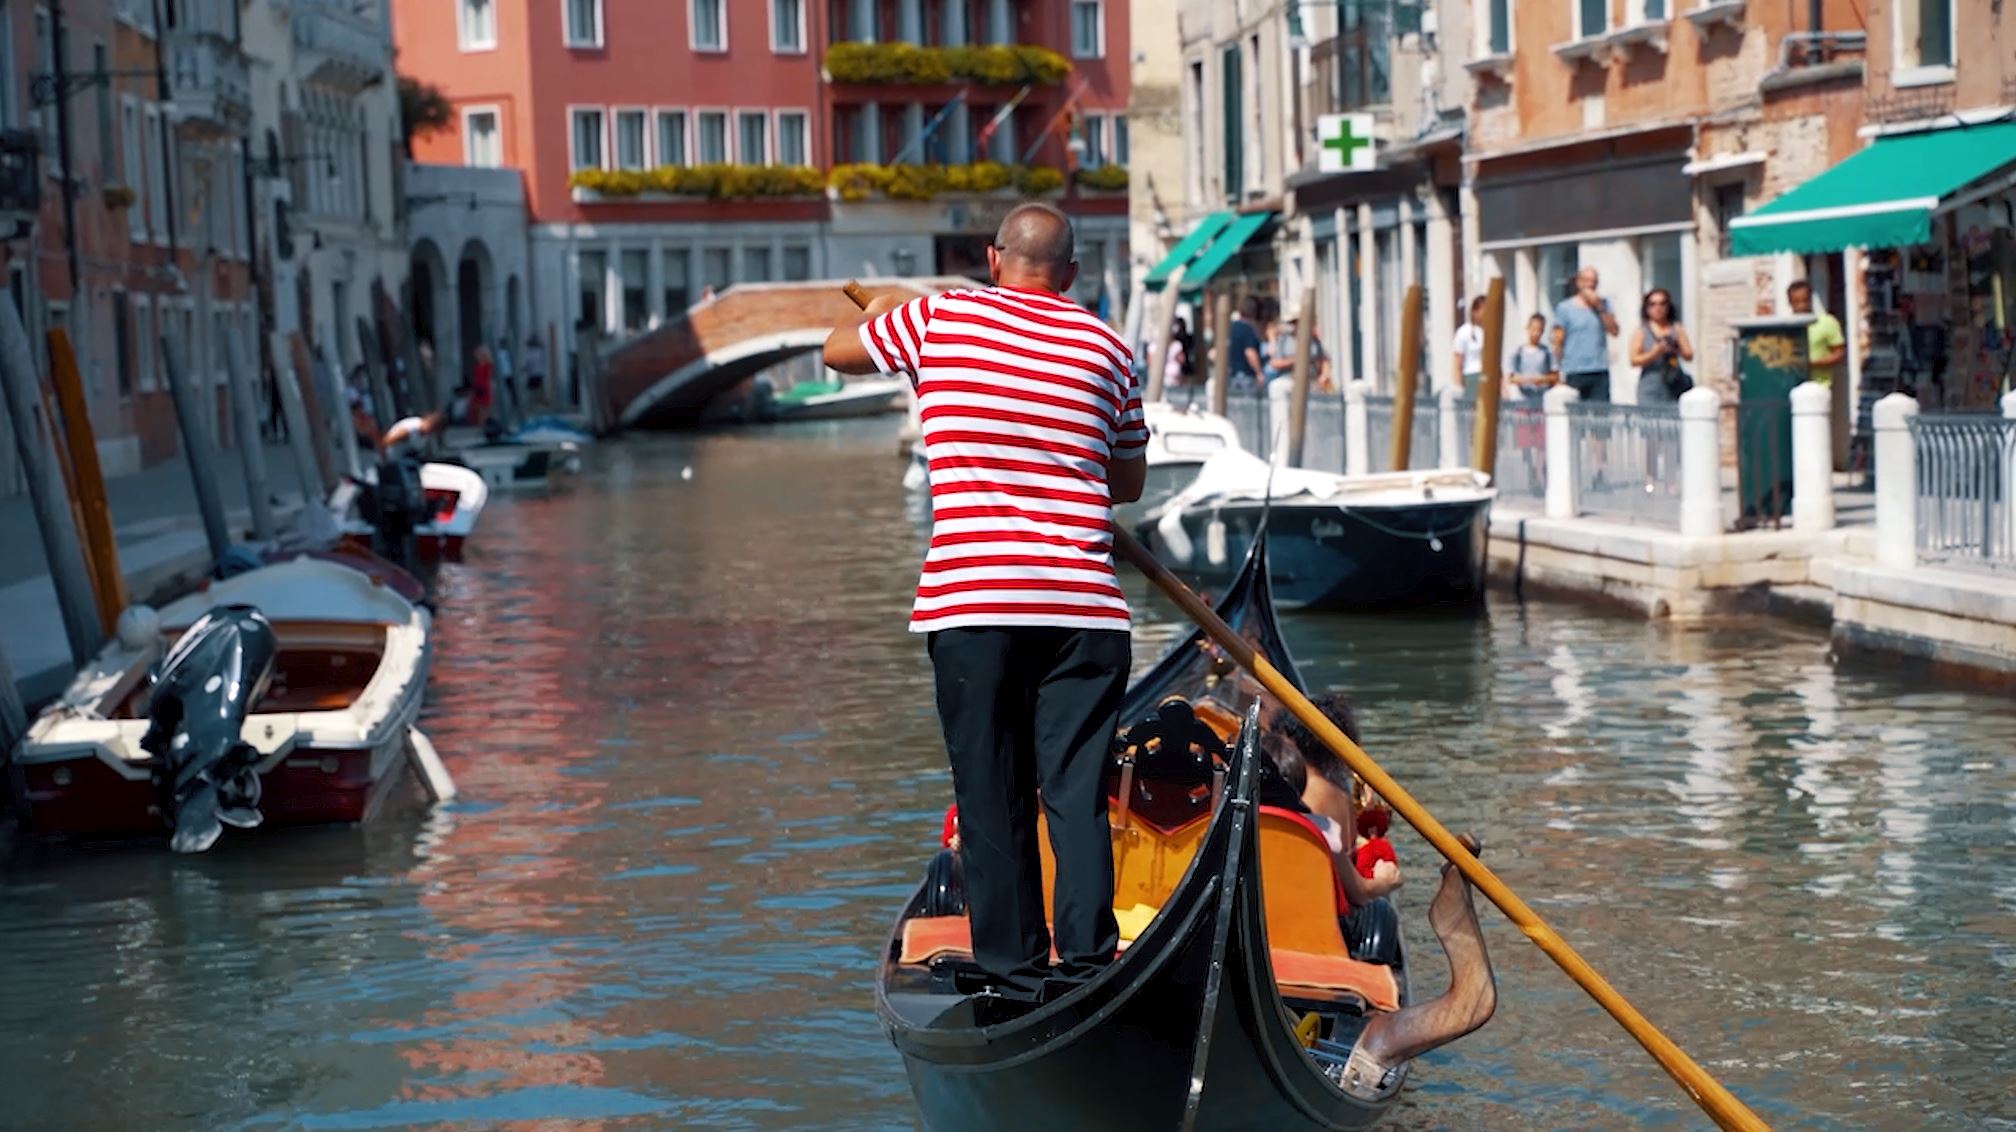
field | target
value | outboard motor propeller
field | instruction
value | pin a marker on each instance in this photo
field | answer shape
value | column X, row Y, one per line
column 202, row 691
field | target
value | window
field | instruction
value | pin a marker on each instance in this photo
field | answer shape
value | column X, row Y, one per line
column 1592, row 17
column 108, row 137
column 584, row 23
column 593, row 284
column 482, row 144
column 787, row 27
column 1094, row 140
column 677, row 264
column 710, row 25
column 1728, row 205
column 476, row 29
column 1924, row 37
column 756, row 265
column 1498, row 27
column 1235, row 138
column 144, row 344
column 1659, row 266
column 1119, row 139
column 718, row 267
column 45, row 64
column 134, row 168
column 752, row 145
column 630, row 139
column 1655, row 10
column 1361, row 74
column 1088, row 29
column 636, row 306
column 1193, row 123
column 122, row 340
column 791, row 136
column 797, row 264
column 157, row 198
column 713, row 137
column 672, row 137
column 587, row 139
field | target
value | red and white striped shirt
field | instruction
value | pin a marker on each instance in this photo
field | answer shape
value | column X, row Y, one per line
column 1024, row 396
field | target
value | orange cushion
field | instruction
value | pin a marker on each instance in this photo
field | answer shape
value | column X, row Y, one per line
column 1370, row 981
column 927, row 937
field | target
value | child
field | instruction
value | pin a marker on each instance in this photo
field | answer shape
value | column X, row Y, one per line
column 1373, row 847
column 1533, row 369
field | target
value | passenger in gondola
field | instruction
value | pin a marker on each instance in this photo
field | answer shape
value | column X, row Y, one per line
column 1372, row 928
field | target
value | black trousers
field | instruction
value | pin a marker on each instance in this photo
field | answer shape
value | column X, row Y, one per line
column 1028, row 710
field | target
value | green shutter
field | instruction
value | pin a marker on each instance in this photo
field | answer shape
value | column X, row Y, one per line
column 1235, row 136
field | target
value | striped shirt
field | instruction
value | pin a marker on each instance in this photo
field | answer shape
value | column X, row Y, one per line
column 1024, row 397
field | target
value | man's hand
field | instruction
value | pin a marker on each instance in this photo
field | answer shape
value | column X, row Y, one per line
column 844, row 351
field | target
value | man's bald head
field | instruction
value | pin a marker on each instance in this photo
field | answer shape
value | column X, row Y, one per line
column 1035, row 247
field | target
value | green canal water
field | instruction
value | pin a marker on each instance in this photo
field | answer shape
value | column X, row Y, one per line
column 699, row 771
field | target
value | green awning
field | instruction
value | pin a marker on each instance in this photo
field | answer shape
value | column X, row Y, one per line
column 1186, row 250
column 1882, row 197
column 1222, row 249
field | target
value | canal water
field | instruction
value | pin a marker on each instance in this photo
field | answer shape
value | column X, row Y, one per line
column 699, row 771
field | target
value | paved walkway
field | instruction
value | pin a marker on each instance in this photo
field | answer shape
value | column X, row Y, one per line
column 161, row 543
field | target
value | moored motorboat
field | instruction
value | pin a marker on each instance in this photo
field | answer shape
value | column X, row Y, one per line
column 1150, row 1043
column 327, row 738
column 823, row 400
column 453, row 499
column 1180, row 440
column 1386, row 540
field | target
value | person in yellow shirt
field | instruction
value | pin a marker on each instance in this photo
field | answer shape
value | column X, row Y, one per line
column 1825, row 344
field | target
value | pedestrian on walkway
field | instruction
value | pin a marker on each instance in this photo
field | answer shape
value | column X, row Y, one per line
column 1583, row 324
column 1243, row 339
column 1027, row 627
column 1466, row 360
column 535, row 370
column 1531, row 372
column 482, row 386
column 1825, row 344
column 1658, row 346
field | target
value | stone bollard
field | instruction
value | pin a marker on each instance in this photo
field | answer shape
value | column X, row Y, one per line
column 1896, row 481
column 1563, row 492
column 1357, row 429
column 2009, row 471
column 1701, row 462
column 1812, row 457
column 1279, row 393
column 1449, row 436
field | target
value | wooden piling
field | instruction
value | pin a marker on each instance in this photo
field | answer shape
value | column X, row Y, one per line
column 74, row 597
column 1407, row 380
column 1158, row 357
column 197, row 446
column 251, row 452
column 1221, row 352
column 382, row 406
column 1298, row 403
column 13, row 713
column 314, row 423
column 1484, row 443
column 94, row 513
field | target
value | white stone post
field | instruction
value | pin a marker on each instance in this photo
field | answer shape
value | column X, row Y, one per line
column 1812, row 457
column 2009, row 472
column 1896, row 481
column 1701, row 462
column 1278, row 393
column 1448, row 435
column 1357, row 430
column 1561, row 485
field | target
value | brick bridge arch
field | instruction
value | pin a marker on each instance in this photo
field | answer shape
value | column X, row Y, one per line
column 667, row 375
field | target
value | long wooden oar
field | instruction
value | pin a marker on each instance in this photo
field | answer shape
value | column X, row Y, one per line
column 1719, row 1103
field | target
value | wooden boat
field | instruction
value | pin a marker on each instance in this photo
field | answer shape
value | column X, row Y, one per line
column 1195, row 1023
column 1386, row 540
column 333, row 731
column 823, row 400
column 455, row 499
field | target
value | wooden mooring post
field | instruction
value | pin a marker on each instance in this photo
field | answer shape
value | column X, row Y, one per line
column 18, row 386
column 87, row 484
column 1221, row 352
column 1298, row 403
column 197, row 447
column 13, row 713
column 384, row 412
column 1407, row 381
column 1484, row 443
column 251, row 451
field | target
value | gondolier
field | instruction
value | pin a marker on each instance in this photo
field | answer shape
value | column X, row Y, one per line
column 1032, row 430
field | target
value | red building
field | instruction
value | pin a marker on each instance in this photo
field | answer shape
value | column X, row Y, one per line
column 671, row 146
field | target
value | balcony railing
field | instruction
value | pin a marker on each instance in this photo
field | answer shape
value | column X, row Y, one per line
column 911, row 64
column 212, row 83
column 341, row 47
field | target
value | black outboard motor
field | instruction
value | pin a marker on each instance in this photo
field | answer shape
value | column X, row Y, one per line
column 401, row 501
column 202, row 691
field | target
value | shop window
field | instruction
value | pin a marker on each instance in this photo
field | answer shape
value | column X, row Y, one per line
column 636, row 304
column 756, row 265
column 677, row 264
column 1924, row 34
column 718, row 264
column 797, row 264
column 594, row 283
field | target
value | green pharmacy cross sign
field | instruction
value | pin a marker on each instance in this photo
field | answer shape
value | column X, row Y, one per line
column 1345, row 144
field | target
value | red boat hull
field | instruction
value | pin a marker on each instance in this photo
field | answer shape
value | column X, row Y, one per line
column 307, row 787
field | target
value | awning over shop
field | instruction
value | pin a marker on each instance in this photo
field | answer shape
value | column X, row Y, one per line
column 1883, row 197
column 1186, row 250
column 1222, row 250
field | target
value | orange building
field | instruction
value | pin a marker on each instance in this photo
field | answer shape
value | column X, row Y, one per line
column 621, row 113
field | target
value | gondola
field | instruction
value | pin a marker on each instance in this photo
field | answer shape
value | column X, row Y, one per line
column 1189, row 1027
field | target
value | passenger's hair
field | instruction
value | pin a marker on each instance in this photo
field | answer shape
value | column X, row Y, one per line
column 1320, row 759
column 1287, row 760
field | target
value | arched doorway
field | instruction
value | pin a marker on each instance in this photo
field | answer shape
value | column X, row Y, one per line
column 433, row 311
column 514, row 314
column 472, row 304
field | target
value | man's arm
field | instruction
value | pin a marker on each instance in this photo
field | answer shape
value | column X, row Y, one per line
column 844, row 350
column 1609, row 318
column 1253, row 359
column 1126, row 479
column 1835, row 352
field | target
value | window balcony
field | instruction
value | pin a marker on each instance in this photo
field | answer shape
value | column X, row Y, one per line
column 1648, row 37
column 907, row 64
column 340, row 48
column 211, row 82
column 1493, row 67
column 1726, row 13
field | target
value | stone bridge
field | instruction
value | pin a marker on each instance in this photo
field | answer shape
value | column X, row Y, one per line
column 667, row 375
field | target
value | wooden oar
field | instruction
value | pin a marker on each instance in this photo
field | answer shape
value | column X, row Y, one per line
column 1720, row 1105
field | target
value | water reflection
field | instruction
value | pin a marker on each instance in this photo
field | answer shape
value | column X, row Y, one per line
column 699, row 770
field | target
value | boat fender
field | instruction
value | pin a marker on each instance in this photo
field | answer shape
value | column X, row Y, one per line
column 139, row 626
column 1214, row 541
column 428, row 767
column 1175, row 540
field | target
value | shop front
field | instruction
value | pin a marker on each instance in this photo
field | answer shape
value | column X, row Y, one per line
column 1929, row 219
